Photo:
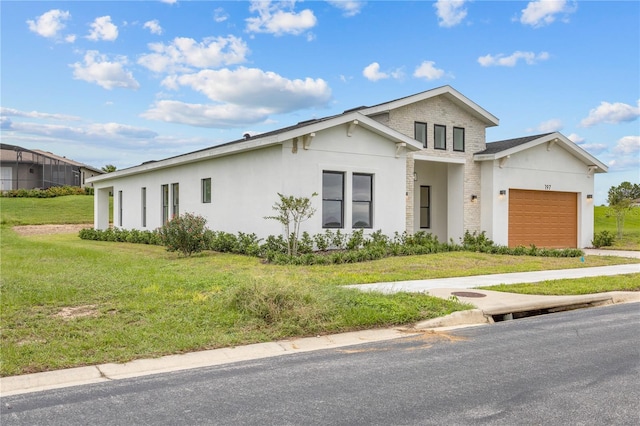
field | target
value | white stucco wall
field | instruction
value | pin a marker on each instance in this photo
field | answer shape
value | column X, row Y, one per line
column 537, row 169
column 245, row 185
column 363, row 152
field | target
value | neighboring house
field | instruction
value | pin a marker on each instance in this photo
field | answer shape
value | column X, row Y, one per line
column 419, row 163
column 22, row 168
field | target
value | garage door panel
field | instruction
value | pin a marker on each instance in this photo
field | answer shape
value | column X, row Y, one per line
column 543, row 218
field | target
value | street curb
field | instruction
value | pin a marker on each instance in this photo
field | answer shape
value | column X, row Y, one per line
column 36, row 382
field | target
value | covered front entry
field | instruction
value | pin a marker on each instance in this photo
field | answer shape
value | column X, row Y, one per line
column 438, row 197
column 543, row 218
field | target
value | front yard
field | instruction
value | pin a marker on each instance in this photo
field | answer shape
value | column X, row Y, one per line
column 69, row 302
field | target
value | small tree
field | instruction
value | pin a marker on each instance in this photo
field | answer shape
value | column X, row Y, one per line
column 621, row 200
column 291, row 212
column 109, row 168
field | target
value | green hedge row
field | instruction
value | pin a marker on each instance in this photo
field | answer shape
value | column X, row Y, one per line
column 54, row 191
column 332, row 247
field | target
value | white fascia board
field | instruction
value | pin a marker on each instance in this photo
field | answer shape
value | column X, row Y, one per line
column 489, row 119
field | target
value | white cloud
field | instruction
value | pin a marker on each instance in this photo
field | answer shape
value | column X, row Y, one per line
column 254, row 88
column 628, row 145
column 153, row 27
column 112, row 132
column 450, row 12
column 509, row 61
column 107, row 74
column 11, row 112
column 103, row 29
column 611, row 113
column 372, row 72
column 553, row 125
column 242, row 96
column 184, row 53
column 50, row 23
column 275, row 18
column 219, row 15
column 428, row 70
column 575, row 138
column 539, row 13
column 349, row 7
column 594, row 148
column 202, row 115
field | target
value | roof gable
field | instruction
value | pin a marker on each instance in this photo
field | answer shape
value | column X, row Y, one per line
column 505, row 148
column 449, row 92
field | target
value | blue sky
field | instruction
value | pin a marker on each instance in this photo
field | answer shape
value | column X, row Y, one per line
column 123, row 82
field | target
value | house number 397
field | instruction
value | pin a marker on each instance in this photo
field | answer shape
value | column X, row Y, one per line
column 547, row 187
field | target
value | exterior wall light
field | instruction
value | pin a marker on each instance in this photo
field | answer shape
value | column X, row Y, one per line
column 503, row 192
column 589, row 196
column 415, row 176
column 474, row 198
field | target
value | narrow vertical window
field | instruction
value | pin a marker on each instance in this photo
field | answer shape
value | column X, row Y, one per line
column 165, row 204
column 439, row 136
column 119, row 208
column 332, row 199
column 143, row 202
column 362, row 203
column 458, row 139
column 425, row 207
column 175, row 198
column 420, row 130
column 206, row 190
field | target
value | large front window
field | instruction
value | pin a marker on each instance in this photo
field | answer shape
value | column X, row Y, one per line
column 332, row 200
column 362, row 201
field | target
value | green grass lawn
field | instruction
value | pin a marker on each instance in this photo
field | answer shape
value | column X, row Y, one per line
column 39, row 211
column 69, row 302
column 631, row 231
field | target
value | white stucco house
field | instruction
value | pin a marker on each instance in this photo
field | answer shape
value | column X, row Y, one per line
column 416, row 163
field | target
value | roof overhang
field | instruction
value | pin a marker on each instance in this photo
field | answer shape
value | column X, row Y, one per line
column 350, row 119
column 450, row 93
column 594, row 165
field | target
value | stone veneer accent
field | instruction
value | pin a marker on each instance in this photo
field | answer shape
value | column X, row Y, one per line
column 440, row 110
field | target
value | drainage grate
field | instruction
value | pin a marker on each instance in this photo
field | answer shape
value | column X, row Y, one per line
column 468, row 294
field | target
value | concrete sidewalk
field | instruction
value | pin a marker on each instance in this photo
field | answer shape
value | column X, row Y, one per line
column 419, row 286
column 486, row 305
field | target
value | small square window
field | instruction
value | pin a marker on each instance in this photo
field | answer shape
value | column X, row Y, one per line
column 439, row 137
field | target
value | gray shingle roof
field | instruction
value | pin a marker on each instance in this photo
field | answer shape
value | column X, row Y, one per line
column 499, row 146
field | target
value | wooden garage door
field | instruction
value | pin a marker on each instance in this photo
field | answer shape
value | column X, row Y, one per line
column 544, row 218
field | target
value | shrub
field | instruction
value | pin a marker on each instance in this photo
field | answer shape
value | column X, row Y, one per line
column 54, row 191
column 603, row 239
column 184, row 233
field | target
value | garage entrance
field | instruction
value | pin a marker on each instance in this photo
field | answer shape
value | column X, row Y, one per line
column 545, row 218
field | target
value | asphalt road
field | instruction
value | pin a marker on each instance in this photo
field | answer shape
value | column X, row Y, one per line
column 579, row 367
